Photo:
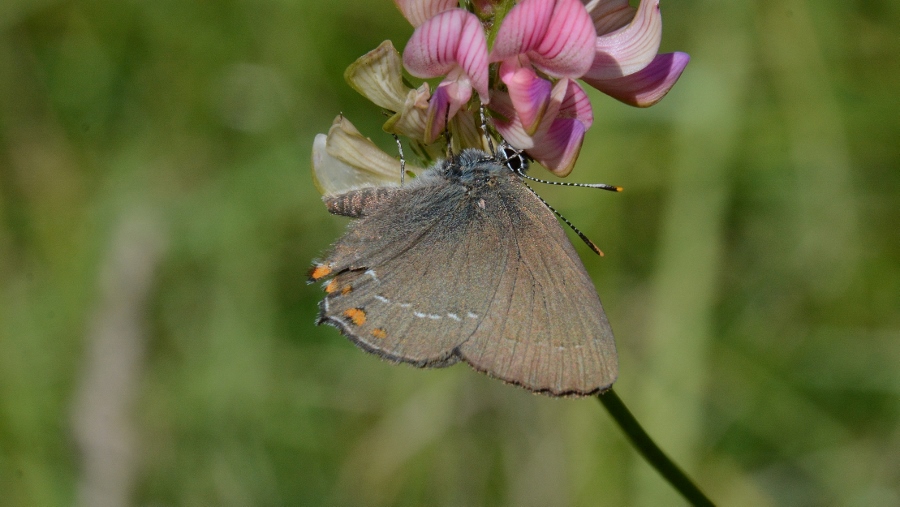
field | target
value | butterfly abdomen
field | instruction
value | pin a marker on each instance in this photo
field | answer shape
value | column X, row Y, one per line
column 358, row 203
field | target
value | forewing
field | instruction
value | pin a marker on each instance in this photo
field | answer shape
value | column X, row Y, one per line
column 413, row 279
column 546, row 329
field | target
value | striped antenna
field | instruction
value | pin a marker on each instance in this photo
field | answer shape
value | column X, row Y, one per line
column 580, row 234
column 520, row 167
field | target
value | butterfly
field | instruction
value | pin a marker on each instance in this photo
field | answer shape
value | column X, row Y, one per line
column 463, row 263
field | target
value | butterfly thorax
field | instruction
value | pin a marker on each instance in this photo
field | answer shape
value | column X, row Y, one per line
column 476, row 169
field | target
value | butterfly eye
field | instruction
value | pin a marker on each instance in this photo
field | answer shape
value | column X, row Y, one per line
column 513, row 159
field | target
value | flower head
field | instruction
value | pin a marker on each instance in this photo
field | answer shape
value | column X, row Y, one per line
column 528, row 79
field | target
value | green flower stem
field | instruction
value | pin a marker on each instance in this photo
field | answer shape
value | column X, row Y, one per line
column 651, row 452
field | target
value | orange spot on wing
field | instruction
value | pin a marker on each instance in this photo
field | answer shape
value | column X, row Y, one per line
column 320, row 271
column 379, row 333
column 346, row 290
column 331, row 287
column 356, row 315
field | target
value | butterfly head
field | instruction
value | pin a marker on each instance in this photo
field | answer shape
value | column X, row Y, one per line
column 511, row 158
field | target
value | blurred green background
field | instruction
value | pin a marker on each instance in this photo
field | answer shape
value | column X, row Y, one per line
column 157, row 220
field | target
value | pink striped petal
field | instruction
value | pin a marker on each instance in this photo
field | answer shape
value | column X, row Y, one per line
column 522, row 29
column 420, row 11
column 557, row 35
column 576, row 105
column 647, row 87
column 446, row 100
column 528, row 92
column 451, row 40
column 609, row 15
column 557, row 144
column 631, row 48
column 567, row 49
column 557, row 96
column 507, row 122
column 558, row 148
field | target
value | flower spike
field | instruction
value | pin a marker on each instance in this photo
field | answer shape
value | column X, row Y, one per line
column 541, row 46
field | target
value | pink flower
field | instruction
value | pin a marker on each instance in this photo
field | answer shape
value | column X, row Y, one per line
column 559, row 38
column 450, row 44
column 555, row 37
column 557, row 141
